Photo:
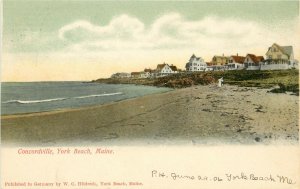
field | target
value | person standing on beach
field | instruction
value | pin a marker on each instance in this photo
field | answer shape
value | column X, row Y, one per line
column 220, row 82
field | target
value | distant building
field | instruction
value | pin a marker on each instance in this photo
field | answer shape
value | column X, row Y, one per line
column 174, row 68
column 135, row 74
column 195, row 64
column 164, row 70
column 148, row 70
column 279, row 57
column 146, row 73
column 121, row 75
column 218, row 63
column 282, row 54
column 236, row 62
column 252, row 62
column 219, row 60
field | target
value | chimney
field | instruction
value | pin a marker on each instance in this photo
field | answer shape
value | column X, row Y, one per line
column 237, row 54
column 223, row 54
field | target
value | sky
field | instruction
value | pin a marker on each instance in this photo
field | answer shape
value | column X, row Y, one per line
column 51, row 40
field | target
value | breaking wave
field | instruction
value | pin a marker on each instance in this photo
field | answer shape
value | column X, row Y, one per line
column 58, row 99
column 32, row 101
column 99, row 95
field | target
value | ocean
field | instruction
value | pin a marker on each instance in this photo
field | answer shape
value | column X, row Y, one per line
column 28, row 97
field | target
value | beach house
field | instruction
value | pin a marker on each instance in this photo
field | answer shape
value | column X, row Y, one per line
column 279, row 57
column 195, row 64
column 146, row 73
column 164, row 70
column 219, row 62
column 174, row 68
column 253, row 62
column 235, row 62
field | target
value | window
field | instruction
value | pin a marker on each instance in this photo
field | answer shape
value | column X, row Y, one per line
column 279, row 56
column 270, row 56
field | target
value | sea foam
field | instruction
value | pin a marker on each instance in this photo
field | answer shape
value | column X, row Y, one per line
column 58, row 99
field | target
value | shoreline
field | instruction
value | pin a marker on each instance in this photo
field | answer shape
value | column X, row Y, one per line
column 197, row 115
column 57, row 111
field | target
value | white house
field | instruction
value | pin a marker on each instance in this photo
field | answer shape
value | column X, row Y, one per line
column 253, row 62
column 195, row 64
column 236, row 62
column 144, row 74
column 164, row 70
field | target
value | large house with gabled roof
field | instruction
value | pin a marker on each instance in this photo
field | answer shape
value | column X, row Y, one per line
column 236, row 62
column 280, row 54
column 195, row 64
column 165, row 69
column 279, row 57
column 219, row 62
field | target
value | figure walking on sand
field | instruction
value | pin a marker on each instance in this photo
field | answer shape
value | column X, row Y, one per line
column 220, row 82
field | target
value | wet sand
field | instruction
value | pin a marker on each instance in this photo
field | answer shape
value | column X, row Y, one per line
column 199, row 115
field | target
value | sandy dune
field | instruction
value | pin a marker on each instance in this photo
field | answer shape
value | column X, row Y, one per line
column 199, row 115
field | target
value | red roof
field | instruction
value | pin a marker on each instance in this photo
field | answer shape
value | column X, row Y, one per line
column 238, row 59
column 256, row 59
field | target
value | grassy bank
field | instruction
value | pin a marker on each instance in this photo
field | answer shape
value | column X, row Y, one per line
column 285, row 80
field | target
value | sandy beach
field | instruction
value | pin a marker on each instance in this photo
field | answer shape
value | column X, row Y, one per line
column 198, row 115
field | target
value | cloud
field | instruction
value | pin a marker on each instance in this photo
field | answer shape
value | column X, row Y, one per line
column 170, row 31
column 122, row 27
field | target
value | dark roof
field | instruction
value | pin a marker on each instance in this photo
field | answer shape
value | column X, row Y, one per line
column 187, row 65
column 288, row 49
column 173, row 68
column 160, row 66
column 147, row 70
column 285, row 49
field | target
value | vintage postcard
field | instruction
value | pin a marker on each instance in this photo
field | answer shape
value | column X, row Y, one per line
column 149, row 94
